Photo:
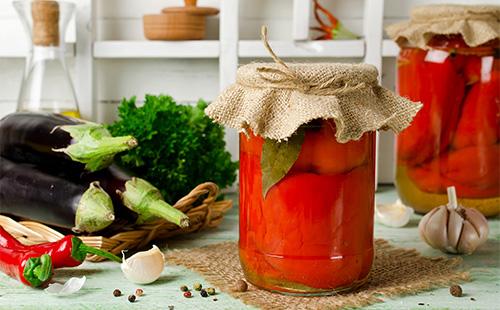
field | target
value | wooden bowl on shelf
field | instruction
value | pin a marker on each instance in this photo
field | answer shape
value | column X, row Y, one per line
column 178, row 23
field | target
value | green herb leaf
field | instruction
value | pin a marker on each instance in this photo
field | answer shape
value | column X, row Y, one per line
column 278, row 158
column 178, row 148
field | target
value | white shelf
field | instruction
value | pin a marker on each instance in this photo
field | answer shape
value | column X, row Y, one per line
column 156, row 49
column 20, row 50
column 389, row 48
column 340, row 48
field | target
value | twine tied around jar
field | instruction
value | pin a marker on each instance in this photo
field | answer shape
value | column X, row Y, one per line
column 289, row 79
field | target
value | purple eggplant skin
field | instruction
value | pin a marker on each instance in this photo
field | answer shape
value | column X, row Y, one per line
column 29, row 137
column 33, row 194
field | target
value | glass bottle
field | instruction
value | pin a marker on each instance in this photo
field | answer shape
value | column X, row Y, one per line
column 46, row 84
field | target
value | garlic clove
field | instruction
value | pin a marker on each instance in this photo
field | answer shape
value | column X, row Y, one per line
column 479, row 222
column 468, row 240
column 423, row 223
column 455, row 224
column 435, row 229
column 144, row 267
column 393, row 215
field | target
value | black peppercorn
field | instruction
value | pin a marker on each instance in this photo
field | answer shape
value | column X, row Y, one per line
column 456, row 290
column 170, row 307
column 117, row 293
column 131, row 298
column 184, row 288
column 203, row 293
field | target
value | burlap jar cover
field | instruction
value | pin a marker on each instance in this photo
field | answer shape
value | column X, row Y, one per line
column 477, row 24
column 274, row 99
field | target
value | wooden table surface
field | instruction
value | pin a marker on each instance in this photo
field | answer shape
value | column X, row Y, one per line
column 103, row 278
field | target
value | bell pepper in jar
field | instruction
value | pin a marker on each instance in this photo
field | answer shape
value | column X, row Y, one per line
column 307, row 170
column 455, row 139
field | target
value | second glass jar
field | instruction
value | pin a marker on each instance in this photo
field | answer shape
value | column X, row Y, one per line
column 454, row 140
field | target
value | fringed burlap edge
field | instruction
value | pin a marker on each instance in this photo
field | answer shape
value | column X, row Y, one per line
column 219, row 264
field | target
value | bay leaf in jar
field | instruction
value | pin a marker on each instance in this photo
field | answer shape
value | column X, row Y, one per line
column 278, row 158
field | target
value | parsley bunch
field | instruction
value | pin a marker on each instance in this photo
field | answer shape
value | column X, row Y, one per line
column 179, row 146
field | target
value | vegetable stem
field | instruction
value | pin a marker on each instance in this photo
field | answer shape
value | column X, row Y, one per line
column 162, row 209
column 91, row 250
column 146, row 200
column 38, row 270
column 452, row 197
column 94, row 146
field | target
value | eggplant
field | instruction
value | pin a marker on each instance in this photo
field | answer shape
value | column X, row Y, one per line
column 54, row 140
column 30, row 193
column 70, row 149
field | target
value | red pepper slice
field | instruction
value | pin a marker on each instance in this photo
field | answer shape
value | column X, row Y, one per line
column 472, row 170
column 480, row 118
column 322, row 154
column 69, row 251
column 441, row 92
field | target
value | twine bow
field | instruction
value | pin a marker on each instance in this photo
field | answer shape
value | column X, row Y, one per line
column 285, row 78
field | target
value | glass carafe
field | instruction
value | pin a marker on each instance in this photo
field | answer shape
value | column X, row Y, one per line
column 46, row 84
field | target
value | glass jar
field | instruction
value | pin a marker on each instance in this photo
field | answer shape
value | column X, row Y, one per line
column 46, row 84
column 455, row 139
column 312, row 233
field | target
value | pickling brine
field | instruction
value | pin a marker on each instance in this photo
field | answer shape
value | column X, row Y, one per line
column 312, row 232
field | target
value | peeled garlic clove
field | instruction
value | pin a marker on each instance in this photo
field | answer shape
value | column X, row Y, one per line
column 144, row 267
column 394, row 215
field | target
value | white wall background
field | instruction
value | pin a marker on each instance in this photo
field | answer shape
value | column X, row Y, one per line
column 186, row 79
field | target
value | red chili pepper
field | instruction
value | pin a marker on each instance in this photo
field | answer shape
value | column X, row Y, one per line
column 27, row 266
column 69, row 251
column 333, row 31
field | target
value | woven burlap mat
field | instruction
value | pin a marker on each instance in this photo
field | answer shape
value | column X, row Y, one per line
column 396, row 271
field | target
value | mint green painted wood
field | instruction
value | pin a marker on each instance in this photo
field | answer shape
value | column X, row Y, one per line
column 103, row 278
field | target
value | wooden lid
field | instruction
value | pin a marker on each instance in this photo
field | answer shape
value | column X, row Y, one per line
column 190, row 8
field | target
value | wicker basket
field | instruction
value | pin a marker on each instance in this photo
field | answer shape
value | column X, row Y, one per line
column 200, row 205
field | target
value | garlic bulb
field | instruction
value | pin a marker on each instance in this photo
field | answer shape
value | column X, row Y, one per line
column 454, row 228
column 394, row 215
column 144, row 267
